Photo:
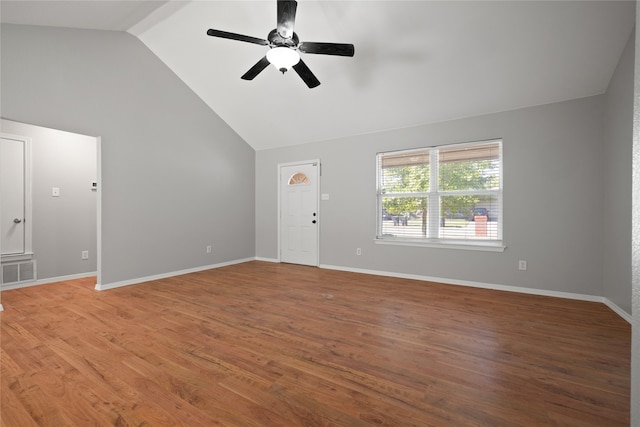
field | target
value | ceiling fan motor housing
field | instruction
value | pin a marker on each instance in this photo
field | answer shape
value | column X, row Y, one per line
column 276, row 40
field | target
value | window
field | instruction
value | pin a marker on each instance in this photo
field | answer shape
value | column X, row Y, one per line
column 298, row 178
column 441, row 195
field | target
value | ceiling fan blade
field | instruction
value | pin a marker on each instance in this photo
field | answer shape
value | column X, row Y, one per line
column 340, row 49
column 286, row 17
column 256, row 69
column 239, row 37
column 305, row 73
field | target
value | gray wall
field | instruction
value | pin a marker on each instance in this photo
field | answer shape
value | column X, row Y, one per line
column 618, row 146
column 553, row 210
column 63, row 226
column 175, row 177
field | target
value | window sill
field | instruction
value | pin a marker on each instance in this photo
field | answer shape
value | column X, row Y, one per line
column 459, row 245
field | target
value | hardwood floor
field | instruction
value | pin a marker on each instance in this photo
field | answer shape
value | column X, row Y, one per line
column 262, row 344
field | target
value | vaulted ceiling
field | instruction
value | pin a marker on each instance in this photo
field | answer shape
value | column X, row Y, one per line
column 415, row 62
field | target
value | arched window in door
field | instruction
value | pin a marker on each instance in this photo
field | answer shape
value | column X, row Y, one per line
column 298, row 178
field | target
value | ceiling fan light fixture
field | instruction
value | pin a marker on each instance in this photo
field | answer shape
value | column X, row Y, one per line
column 283, row 58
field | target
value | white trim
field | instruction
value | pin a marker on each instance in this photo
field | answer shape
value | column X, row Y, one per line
column 99, row 209
column 9, row 287
column 107, row 286
column 258, row 258
column 12, row 258
column 467, row 245
column 635, row 232
column 496, row 287
column 581, row 297
column 619, row 311
column 28, row 196
column 278, row 243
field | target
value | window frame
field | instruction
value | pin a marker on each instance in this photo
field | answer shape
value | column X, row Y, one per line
column 434, row 195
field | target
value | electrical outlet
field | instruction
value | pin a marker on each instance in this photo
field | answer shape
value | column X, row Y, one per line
column 85, row 254
column 358, row 251
column 522, row 265
column 209, row 249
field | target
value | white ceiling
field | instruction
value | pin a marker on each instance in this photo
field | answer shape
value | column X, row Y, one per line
column 415, row 62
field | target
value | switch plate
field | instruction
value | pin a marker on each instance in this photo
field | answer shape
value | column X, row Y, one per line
column 209, row 249
column 522, row 265
column 358, row 251
column 55, row 192
column 324, row 196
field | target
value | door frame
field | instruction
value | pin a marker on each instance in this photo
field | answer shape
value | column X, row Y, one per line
column 98, row 212
column 279, row 213
column 28, row 202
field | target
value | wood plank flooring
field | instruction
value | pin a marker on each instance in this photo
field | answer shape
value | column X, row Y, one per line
column 263, row 344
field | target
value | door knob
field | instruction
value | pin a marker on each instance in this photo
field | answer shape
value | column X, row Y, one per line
column 313, row 222
column 17, row 220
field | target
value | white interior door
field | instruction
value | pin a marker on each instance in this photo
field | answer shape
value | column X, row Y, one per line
column 12, row 196
column 299, row 213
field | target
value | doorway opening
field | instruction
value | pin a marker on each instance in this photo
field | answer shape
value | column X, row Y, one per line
column 62, row 220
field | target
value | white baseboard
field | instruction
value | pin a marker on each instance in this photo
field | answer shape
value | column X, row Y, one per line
column 620, row 312
column 104, row 287
column 542, row 292
column 266, row 259
column 47, row 280
column 101, row 287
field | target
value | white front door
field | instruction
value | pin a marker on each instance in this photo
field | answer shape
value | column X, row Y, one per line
column 12, row 195
column 299, row 185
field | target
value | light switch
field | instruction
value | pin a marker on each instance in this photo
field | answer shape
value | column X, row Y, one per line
column 324, row 196
column 55, row 192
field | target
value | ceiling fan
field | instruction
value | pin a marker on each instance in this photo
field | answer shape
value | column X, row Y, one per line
column 285, row 46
